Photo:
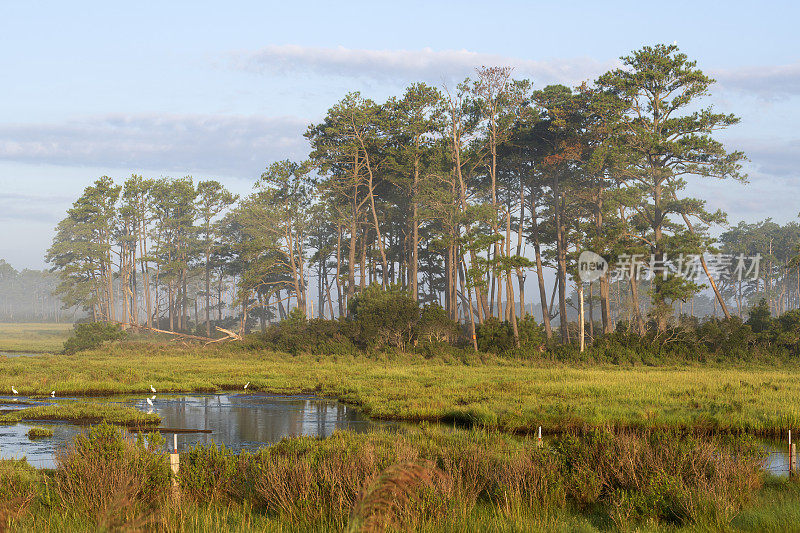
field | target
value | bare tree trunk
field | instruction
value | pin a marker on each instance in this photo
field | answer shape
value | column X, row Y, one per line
column 540, row 272
column 708, row 274
column 414, row 264
column 340, row 299
column 208, row 292
column 591, row 311
column 510, row 304
column 637, row 313
column 562, row 269
column 580, row 316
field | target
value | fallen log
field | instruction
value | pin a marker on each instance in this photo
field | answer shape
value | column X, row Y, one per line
column 167, row 430
column 186, row 336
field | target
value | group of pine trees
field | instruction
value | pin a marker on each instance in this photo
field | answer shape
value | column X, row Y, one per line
column 456, row 194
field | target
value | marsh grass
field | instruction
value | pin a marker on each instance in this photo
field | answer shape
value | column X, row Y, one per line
column 79, row 412
column 19, row 485
column 33, row 337
column 39, row 433
column 510, row 395
column 422, row 479
column 111, row 480
column 776, row 508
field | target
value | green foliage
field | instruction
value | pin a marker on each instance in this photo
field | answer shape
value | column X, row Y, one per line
column 415, row 478
column 760, row 319
column 92, row 335
column 494, row 336
column 83, row 412
column 39, row 433
column 206, row 472
column 110, row 479
column 297, row 335
column 384, row 317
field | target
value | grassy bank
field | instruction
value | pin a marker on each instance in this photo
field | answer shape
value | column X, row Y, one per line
column 33, row 338
column 510, row 395
column 77, row 412
column 424, row 479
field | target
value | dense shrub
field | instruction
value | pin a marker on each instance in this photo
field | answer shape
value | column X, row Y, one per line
column 206, row 472
column 434, row 326
column 405, row 479
column 494, row 336
column 378, row 319
column 18, row 488
column 383, row 317
column 386, row 319
column 297, row 334
column 91, row 335
column 113, row 480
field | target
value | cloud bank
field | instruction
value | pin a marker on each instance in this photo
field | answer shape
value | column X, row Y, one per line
column 767, row 82
column 238, row 146
column 406, row 65
column 31, row 207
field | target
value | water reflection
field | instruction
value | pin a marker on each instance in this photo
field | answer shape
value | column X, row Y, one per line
column 14, row 443
column 251, row 420
column 777, row 460
column 239, row 421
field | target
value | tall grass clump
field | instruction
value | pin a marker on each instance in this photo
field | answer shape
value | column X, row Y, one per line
column 398, row 496
column 661, row 476
column 112, row 480
column 420, row 478
column 18, row 489
column 423, row 478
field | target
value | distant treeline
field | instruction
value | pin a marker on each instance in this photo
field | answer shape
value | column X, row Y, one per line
column 458, row 196
column 29, row 296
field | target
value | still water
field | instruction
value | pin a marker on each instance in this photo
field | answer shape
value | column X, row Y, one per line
column 239, row 421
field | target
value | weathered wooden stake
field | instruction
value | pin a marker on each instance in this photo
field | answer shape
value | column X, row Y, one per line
column 174, row 464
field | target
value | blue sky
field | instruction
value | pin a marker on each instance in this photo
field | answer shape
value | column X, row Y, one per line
column 221, row 89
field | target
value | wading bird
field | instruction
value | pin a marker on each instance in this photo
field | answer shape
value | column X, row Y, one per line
column 15, row 391
column 246, row 385
column 53, row 394
column 153, row 390
column 150, row 401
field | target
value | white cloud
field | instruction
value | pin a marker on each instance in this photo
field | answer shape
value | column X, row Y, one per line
column 16, row 206
column 411, row 65
column 772, row 174
column 230, row 145
column 767, row 82
column 776, row 158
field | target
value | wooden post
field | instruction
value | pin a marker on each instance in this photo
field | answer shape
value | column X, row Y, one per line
column 174, row 464
column 580, row 315
column 792, row 460
column 539, row 441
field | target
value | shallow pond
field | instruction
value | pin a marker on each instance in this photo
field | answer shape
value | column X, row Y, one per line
column 239, row 421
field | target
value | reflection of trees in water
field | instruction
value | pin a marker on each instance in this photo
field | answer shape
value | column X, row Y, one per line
column 242, row 421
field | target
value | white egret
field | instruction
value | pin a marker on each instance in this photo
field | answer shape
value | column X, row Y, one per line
column 153, row 390
column 53, row 394
column 246, row 385
column 15, row 391
column 150, row 401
